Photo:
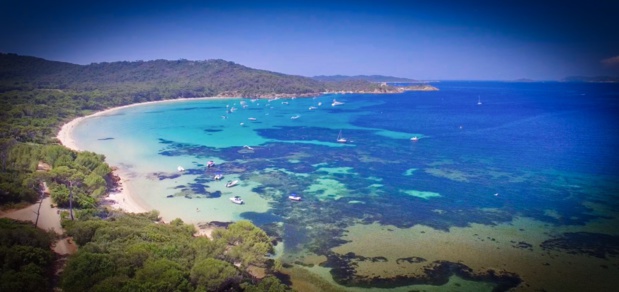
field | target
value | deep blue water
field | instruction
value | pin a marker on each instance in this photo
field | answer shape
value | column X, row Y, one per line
column 555, row 136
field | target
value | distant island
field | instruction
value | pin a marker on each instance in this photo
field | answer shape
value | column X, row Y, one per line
column 524, row 80
column 596, row 79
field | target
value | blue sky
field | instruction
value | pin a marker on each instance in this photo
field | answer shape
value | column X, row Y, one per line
column 428, row 40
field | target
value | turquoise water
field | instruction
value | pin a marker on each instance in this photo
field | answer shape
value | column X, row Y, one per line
column 543, row 151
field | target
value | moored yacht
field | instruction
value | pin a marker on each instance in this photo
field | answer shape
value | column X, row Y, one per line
column 237, row 200
column 335, row 102
column 294, row 197
column 230, row 184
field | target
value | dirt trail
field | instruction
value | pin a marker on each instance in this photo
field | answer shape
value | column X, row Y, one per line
column 49, row 219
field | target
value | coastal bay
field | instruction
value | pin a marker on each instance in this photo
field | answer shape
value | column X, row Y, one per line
column 455, row 200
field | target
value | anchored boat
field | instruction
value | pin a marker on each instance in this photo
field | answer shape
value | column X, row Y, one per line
column 237, row 200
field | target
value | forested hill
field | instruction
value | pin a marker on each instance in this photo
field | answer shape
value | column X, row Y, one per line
column 369, row 78
column 152, row 80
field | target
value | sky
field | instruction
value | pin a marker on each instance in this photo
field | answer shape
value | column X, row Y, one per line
column 425, row 40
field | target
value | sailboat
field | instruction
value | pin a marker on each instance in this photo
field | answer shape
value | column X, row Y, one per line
column 341, row 139
column 478, row 100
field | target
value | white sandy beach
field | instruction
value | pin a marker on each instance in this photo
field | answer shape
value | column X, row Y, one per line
column 122, row 198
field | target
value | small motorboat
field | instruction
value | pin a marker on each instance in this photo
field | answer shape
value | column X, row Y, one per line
column 237, row 200
column 335, row 102
column 230, row 184
column 312, row 108
column 294, row 197
column 210, row 164
column 170, row 196
column 218, row 176
column 252, row 119
column 295, row 117
column 414, row 138
column 180, row 168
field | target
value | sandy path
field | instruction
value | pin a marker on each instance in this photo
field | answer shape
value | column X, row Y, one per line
column 49, row 219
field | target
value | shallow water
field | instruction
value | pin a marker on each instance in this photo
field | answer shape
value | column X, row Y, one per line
column 541, row 153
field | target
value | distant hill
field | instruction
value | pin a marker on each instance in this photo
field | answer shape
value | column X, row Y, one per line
column 369, row 78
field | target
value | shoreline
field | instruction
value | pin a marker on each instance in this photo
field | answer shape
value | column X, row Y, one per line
column 65, row 134
column 122, row 197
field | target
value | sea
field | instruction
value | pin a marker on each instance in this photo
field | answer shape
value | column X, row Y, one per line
column 480, row 186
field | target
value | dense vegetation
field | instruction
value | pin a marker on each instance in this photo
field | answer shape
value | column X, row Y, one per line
column 75, row 178
column 26, row 260
column 128, row 252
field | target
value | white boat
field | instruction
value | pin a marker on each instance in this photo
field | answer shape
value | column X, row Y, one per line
column 414, row 138
column 294, row 197
column 478, row 100
column 230, row 184
column 319, row 103
column 248, row 147
column 237, row 200
column 295, row 117
column 251, row 119
column 210, row 164
column 341, row 139
column 219, row 176
column 180, row 169
column 312, row 108
column 335, row 102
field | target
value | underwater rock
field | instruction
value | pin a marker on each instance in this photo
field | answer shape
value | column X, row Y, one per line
column 412, row 260
column 593, row 244
column 436, row 273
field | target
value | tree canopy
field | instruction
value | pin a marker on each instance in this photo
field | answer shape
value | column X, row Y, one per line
column 26, row 260
column 129, row 252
